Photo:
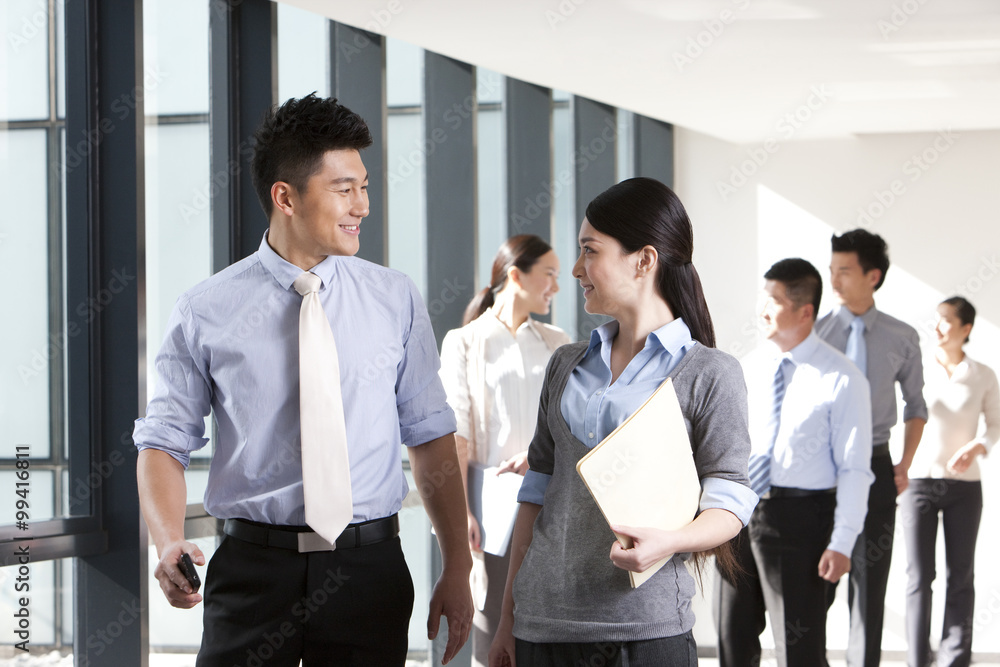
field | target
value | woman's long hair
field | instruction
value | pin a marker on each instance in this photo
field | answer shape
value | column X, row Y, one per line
column 522, row 251
column 641, row 212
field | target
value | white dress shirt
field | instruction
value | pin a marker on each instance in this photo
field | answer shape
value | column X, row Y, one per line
column 493, row 379
column 954, row 405
column 825, row 437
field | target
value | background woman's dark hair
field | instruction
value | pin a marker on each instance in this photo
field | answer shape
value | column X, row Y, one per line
column 965, row 311
column 642, row 211
column 522, row 251
column 292, row 139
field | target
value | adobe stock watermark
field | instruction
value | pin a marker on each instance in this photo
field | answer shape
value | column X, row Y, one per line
column 700, row 42
column 913, row 169
column 381, row 18
column 786, row 127
column 31, row 26
column 562, row 12
column 901, row 14
column 77, row 150
column 453, row 118
column 583, row 157
column 86, row 311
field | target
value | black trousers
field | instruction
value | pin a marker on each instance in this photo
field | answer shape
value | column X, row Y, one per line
column 679, row 651
column 870, row 562
column 960, row 505
column 271, row 607
column 779, row 552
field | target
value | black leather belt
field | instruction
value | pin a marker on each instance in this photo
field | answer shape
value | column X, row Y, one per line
column 789, row 492
column 304, row 540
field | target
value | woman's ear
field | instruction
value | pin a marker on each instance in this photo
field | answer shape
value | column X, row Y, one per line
column 514, row 275
column 647, row 260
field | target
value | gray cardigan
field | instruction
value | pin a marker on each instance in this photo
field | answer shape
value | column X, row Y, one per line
column 567, row 589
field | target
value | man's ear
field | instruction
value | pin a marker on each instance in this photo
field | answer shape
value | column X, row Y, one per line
column 874, row 276
column 282, row 197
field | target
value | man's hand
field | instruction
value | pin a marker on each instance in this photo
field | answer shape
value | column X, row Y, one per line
column 452, row 599
column 833, row 565
column 172, row 582
column 517, row 463
column 901, row 476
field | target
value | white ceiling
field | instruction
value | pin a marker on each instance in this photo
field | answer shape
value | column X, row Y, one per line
column 841, row 66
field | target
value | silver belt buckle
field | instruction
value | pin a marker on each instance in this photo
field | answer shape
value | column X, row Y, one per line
column 309, row 542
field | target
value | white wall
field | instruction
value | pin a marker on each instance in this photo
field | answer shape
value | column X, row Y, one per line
column 934, row 198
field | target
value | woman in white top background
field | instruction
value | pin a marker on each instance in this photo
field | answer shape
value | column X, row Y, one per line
column 492, row 369
column 945, row 480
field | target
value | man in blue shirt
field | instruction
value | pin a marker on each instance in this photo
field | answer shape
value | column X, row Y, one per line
column 887, row 351
column 810, row 429
column 276, row 592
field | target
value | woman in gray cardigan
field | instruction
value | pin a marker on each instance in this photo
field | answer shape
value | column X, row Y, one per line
column 568, row 599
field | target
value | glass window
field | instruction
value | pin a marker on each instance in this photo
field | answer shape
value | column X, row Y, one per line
column 26, row 70
column 491, row 190
column 31, row 355
column 175, row 49
column 489, row 86
column 404, row 74
column 566, row 226
column 407, row 197
column 303, row 53
column 624, row 145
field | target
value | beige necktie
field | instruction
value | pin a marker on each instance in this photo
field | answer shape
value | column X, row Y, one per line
column 326, row 470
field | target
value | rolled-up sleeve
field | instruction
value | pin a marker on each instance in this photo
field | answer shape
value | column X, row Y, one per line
column 911, row 381
column 454, row 376
column 851, row 445
column 421, row 402
column 175, row 418
column 721, row 440
column 541, row 451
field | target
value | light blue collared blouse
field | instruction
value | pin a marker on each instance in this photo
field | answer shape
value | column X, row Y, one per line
column 593, row 407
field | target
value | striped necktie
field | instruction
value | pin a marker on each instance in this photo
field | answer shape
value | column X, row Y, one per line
column 760, row 464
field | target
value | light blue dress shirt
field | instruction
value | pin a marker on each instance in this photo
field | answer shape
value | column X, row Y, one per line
column 593, row 407
column 232, row 345
column 824, row 438
column 893, row 353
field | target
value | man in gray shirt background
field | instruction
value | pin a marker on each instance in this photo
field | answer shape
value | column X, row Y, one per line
column 887, row 351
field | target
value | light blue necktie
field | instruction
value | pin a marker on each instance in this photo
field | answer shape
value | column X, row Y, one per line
column 760, row 464
column 857, row 349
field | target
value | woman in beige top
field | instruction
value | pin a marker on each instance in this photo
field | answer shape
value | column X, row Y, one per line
column 944, row 479
column 492, row 369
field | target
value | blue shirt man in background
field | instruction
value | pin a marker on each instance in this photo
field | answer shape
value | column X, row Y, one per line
column 232, row 346
column 810, row 429
column 887, row 351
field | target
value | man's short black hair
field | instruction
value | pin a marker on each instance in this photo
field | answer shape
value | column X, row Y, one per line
column 293, row 137
column 802, row 282
column 871, row 249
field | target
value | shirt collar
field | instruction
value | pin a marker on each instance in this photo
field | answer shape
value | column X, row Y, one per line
column 494, row 321
column 672, row 337
column 801, row 352
column 869, row 317
column 285, row 272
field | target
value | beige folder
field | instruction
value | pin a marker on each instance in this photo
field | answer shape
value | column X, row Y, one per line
column 643, row 473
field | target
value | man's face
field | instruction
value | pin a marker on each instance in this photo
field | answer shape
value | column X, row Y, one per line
column 782, row 320
column 851, row 285
column 328, row 211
